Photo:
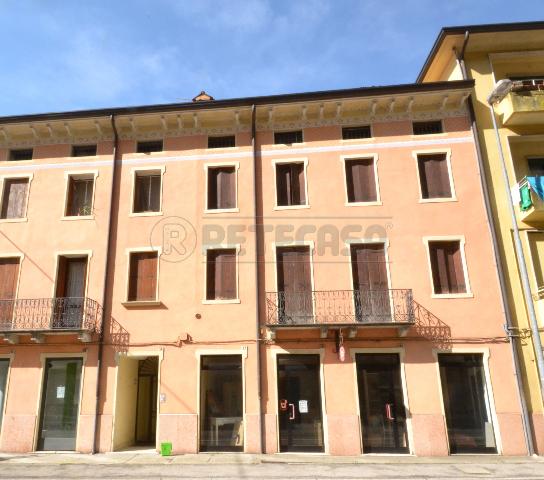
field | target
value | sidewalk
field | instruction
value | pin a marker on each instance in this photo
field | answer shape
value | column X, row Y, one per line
column 137, row 465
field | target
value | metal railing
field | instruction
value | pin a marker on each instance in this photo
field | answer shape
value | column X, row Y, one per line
column 340, row 307
column 50, row 314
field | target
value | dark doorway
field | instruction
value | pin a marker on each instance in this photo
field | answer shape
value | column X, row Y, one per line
column 300, row 413
column 221, row 403
column 146, row 401
column 381, row 403
column 70, row 292
column 466, row 403
column 60, row 404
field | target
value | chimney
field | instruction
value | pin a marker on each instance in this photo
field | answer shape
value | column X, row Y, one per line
column 203, row 97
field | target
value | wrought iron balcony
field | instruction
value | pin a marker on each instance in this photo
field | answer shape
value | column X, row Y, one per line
column 524, row 104
column 47, row 315
column 340, row 307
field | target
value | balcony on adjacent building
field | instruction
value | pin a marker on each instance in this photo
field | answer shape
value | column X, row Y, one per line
column 340, row 308
column 524, row 105
column 528, row 197
column 38, row 317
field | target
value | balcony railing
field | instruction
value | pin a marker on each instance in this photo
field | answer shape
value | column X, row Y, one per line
column 50, row 315
column 340, row 307
column 524, row 104
column 528, row 201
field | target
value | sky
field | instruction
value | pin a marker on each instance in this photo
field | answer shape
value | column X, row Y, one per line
column 60, row 55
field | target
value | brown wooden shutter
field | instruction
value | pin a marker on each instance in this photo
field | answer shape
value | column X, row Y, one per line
column 155, row 193
column 434, row 176
column 447, row 267
column 290, row 184
column 222, row 188
column 143, row 276
column 369, row 267
column 294, row 284
column 221, row 274
column 14, row 199
column 360, row 180
column 60, row 288
column 9, row 271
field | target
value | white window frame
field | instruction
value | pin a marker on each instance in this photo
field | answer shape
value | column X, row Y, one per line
column 365, row 156
column 448, row 238
column 281, row 161
column 136, row 303
column 212, row 165
column 78, row 175
column 15, row 176
column 221, row 246
column 443, row 151
column 488, row 385
column 142, row 171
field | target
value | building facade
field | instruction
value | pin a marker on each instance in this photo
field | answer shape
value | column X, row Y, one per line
column 297, row 273
column 488, row 54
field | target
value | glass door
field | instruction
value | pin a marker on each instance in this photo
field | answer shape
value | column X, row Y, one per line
column 4, row 367
column 221, row 403
column 60, row 404
column 466, row 403
column 381, row 403
column 299, row 393
column 72, row 273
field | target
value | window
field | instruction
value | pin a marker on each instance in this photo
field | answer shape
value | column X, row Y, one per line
column 84, row 151
column 351, row 133
column 222, row 142
column 221, row 188
column 80, row 196
column 14, row 198
column 434, row 176
column 147, row 191
column 149, row 147
column 221, row 274
column 361, row 180
column 447, row 267
column 142, row 282
column 290, row 184
column 427, row 127
column 288, row 138
column 536, row 167
column 21, row 154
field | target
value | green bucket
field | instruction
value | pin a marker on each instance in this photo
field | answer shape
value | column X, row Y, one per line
column 166, row 449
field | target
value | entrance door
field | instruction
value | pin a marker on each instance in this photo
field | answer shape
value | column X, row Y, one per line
column 294, row 285
column 4, row 367
column 221, row 403
column 466, row 403
column 381, row 403
column 9, row 271
column 370, row 283
column 299, row 393
column 60, row 404
column 146, row 401
column 70, row 292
